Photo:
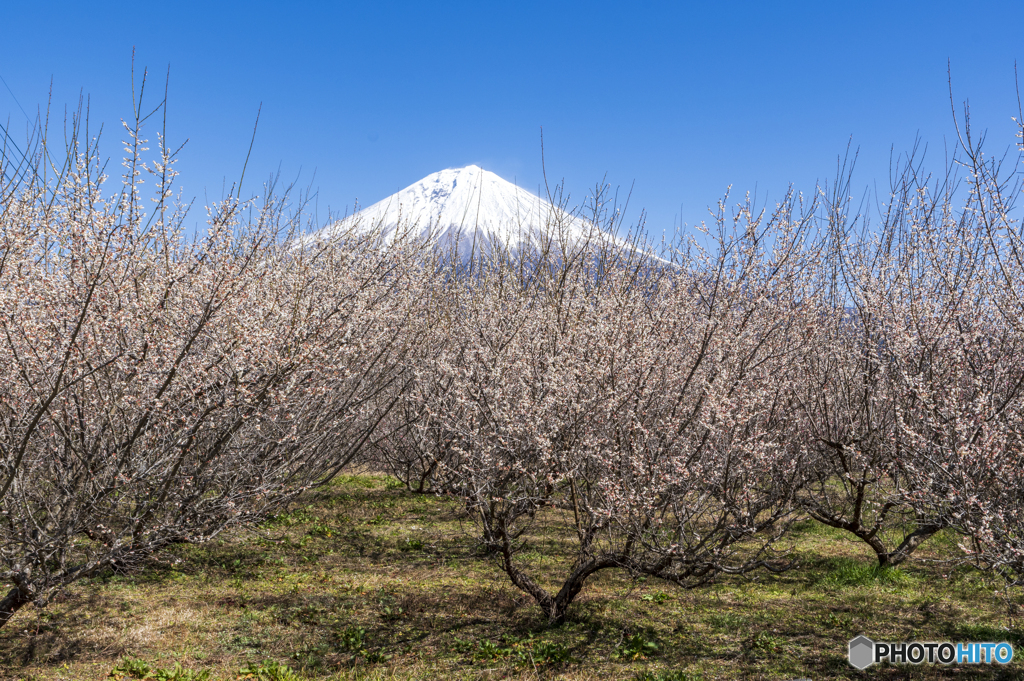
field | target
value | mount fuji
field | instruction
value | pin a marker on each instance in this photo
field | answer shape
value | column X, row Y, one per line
column 473, row 211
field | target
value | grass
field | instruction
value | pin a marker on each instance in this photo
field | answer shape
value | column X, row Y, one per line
column 367, row 581
column 847, row 572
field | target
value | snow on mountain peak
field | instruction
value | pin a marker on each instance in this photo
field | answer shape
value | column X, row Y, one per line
column 470, row 207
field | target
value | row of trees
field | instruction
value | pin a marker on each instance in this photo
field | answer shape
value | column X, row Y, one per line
column 672, row 414
column 156, row 390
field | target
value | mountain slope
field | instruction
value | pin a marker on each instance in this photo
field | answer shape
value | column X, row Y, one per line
column 472, row 208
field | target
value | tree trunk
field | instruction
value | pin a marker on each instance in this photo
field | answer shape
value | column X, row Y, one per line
column 11, row 604
column 556, row 607
column 886, row 558
column 559, row 605
column 907, row 546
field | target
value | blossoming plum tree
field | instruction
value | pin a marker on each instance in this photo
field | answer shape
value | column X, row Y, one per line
column 156, row 391
column 638, row 404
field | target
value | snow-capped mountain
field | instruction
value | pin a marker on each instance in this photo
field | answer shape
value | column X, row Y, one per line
column 474, row 209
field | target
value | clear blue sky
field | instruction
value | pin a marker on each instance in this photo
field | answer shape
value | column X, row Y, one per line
column 681, row 98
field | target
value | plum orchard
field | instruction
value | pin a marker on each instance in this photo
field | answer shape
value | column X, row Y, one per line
column 911, row 395
column 975, row 430
column 672, row 417
column 155, row 391
column 643, row 403
column 668, row 416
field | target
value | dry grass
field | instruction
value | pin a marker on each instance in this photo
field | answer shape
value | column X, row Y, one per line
column 371, row 582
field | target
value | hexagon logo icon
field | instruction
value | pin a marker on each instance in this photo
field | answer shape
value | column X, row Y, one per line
column 862, row 652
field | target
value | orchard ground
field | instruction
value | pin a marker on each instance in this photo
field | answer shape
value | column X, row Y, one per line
column 366, row 580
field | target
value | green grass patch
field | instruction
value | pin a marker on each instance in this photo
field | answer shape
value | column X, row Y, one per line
column 847, row 572
column 364, row 580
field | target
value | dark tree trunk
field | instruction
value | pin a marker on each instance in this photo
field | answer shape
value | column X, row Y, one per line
column 869, row 536
column 907, row 546
column 12, row 603
column 556, row 607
